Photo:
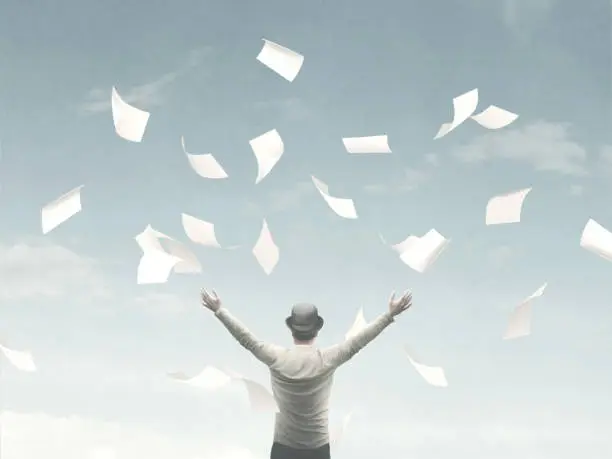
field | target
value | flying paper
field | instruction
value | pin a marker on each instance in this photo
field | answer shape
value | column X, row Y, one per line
column 155, row 267
column 130, row 122
column 506, row 208
column 57, row 212
column 359, row 324
column 433, row 375
column 259, row 397
column 210, row 378
column 519, row 324
column 365, row 145
column 265, row 250
column 421, row 253
column 282, row 60
column 337, row 433
column 21, row 360
column 464, row 106
column 204, row 165
column 341, row 206
column 403, row 246
column 596, row 239
column 268, row 149
column 199, row 231
column 494, row 117
column 149, row 242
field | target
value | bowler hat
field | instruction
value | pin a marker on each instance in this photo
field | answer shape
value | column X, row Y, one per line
column 304, row 318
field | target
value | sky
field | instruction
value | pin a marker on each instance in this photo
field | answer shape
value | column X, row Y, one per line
column 103, row 344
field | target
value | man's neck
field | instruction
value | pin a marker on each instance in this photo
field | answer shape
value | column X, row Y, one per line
column 303, row 343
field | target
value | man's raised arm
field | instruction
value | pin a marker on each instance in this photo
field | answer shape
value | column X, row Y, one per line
column 264, row 352
column 342, row 353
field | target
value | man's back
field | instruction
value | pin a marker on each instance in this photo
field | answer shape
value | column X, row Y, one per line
column 301, row 383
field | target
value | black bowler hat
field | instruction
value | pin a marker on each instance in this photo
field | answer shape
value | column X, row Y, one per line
column 304, row 318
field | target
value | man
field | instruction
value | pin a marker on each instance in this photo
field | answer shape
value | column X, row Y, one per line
column 302, row 376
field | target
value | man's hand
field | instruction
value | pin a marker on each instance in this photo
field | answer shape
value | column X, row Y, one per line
column 210, row 300
column 396, row 307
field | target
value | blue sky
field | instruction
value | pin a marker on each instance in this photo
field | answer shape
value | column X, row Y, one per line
column 103, row 344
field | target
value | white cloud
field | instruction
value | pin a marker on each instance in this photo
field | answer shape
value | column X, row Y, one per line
column 292, row 108
column 278, row 201
column 546, row 146
column 411, row 179
column 502, row 255
column 160, row 303
column 146, row 95
column 47, row 270
column 36, row 435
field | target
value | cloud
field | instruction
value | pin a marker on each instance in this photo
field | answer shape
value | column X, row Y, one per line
column 47, row 270
column 161, row 304
column 36, row 435
column 546, row 146
column 292, row 108
column 279, row 201
column 502, row 255
column 152, row 93
column 412, row 179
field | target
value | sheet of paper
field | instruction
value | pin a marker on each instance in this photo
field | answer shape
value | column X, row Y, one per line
column 155, row 267
column 260, row 398
column 338, row 433
column 464, row 107
column 406, row 244
column 367, row 145
column 285, row 62
column 506, row 208
column 57, row 212
column 495, row 118
column 432, row 375
column 519, row 324
column 200, row 231
column 421, row 253
column 204, row 165
column 359, row 324
column 150, row 240
column 268, row 149
column 130, row 122
column 265, row 251
column 596, row 239
column 22, row 360
column 210, row 378
column 343, row 207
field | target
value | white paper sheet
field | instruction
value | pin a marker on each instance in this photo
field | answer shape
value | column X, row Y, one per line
column 155, row 267
column 265, row 251
column 432, row 375
column 406, row 244
column 188, row 262
column 210, row 378
column 506, row 208
column 421, row 253
column 495, row 117
column 596, row 239
column 367, row 145
column 22, row 360
column 57, row 212
column 204, row 165
column 150, row 242
column 338, row 433
column 200, row 231
column 359, row 324
column 343, row 207
column 285, row 62
column 260, row 398
column 464, row 107
column 268, row 149
column 519, row 324
column 130, row 122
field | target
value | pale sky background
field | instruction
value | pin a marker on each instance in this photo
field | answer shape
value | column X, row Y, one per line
column 103, row 344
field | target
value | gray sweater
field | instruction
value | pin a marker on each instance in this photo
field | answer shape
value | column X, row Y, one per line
column 302, row 378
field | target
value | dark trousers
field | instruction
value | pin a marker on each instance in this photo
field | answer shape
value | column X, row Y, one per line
column 284, row 452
